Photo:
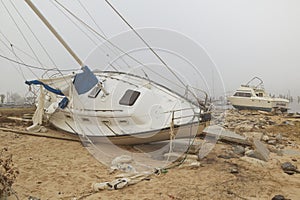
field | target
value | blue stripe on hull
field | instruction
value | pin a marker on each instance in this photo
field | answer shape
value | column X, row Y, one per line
column 252, row 108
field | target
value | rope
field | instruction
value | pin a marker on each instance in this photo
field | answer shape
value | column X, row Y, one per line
column 93, row 31
column 21, row 71
column 144, row 41
column 27, row 42
column 17, row 69
column 33, row 67
column 89, row 37
column 14, row 46
column 9, row 49
column 94, row 21
column 172, row 134
column 101, row 36
column 44, row 49
column 118, row 48
column 4, row 38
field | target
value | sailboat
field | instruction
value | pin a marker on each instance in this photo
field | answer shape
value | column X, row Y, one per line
column 115, row 106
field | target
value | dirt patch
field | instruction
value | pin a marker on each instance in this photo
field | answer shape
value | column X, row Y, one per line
column 16, row 112
column 57, row 169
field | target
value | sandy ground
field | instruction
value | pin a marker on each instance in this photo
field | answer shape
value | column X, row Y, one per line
column 57, row 169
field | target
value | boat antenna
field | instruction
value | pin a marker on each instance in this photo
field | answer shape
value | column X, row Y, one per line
column 55, row 33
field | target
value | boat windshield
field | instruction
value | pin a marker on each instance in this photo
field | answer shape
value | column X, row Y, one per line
column 242, row 94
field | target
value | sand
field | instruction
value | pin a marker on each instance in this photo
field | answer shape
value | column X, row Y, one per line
column 59, row 169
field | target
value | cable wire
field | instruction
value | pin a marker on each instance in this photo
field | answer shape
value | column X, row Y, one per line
column 29, row 28
column 19, row 29
column 144, row 41
column 34, row 67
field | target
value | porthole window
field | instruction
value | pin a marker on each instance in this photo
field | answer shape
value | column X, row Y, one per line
column 129, row 98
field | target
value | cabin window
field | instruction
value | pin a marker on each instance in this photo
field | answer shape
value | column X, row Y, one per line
column 96, row 90
column 242, row 94
column 129, row 98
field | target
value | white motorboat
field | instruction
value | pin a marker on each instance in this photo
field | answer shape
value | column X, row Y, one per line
column 255, row 98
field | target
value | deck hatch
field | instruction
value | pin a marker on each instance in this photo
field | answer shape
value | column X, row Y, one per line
column 96, row 90
column 129, row 98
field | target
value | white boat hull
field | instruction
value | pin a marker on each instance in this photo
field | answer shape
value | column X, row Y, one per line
column 256, row 103
column 104, row 118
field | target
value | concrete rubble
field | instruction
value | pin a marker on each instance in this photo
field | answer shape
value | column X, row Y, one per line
column 261, row 151
column 219, row 133
column 246, row 132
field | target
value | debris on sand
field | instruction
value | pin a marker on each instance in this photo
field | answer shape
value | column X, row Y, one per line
column 289, row 168
column 33, row 198
column 220, row 166
column 279, row 197
column 8, row 173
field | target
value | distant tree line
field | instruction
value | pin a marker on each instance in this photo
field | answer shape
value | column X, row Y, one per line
column 290, row 98
column 2, row 97
column 12, row 98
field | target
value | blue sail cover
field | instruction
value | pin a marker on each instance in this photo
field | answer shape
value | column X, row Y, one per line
column 85, row 81
column 47, row 87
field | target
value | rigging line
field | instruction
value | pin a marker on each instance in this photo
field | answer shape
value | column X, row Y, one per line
column 5, row 37
column 5, row 44
column 91, row 39
column 27, row 65
column 29, row 56
column 94, row 21
column 27, row 42
column 22, row 73
column 55, row 66
column 151, row 70
column 113, row 50
column 18, row 70
column 9, row 49
column 22, row 62
column 33, row 67
column 17, row 58
column 95, row 32
column 144, row 41
column 44, row 49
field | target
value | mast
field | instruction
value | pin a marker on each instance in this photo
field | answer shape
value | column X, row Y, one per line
column 51, row 28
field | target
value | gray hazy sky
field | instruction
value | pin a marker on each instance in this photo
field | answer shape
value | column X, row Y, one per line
column 245, row 38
